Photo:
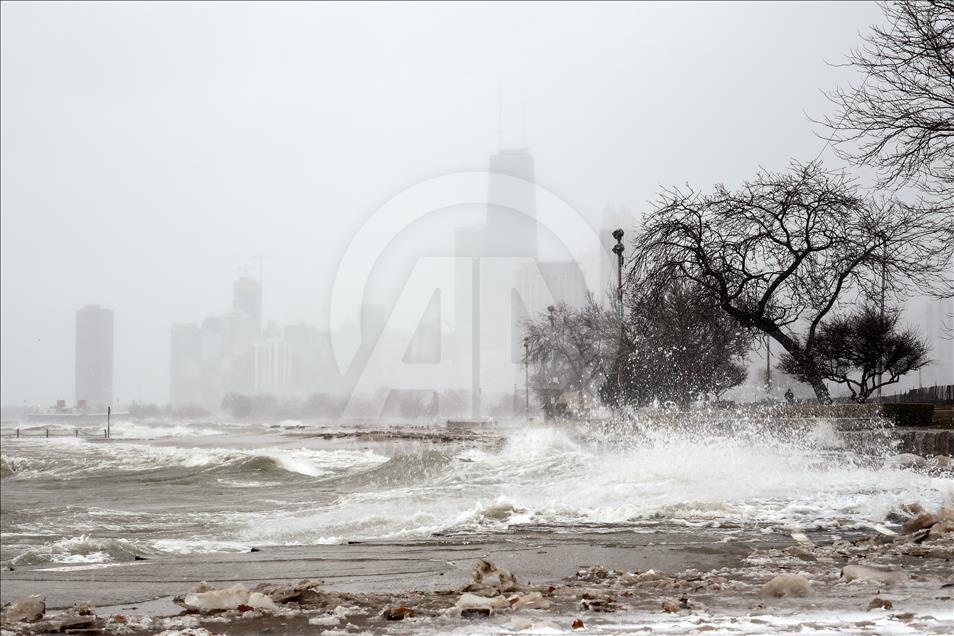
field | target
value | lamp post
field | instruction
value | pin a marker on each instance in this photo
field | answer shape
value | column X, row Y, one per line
column 526, row 372
column 618, row 250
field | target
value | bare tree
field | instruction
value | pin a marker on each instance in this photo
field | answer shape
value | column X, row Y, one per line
column 779, row 254
column 678, row 346
column 570, row 350
column 900, row 118
column 864, row 351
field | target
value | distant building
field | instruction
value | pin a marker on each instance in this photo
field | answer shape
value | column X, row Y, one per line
column 308, row 356
column 511, row 230
column 247, row 298
column 184, row 365
column 94, row 356
column 271, row 366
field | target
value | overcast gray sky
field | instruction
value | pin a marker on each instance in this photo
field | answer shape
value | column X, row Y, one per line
column 151, row 151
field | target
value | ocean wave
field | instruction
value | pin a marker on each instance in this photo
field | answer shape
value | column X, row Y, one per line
column 76, row 459
column 743, row 475
column 79, row 550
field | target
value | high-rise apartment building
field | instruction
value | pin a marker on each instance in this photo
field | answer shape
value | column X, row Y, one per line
column 94, row 356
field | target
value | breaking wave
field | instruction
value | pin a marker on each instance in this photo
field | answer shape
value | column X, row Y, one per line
column 72, row 459
column 736, row 475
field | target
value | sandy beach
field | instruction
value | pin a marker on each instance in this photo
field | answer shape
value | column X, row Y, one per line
column 611, row 582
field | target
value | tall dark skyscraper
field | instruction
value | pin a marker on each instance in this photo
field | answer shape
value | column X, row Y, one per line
column 247, row 298
column 511, row 231
column 94, row 356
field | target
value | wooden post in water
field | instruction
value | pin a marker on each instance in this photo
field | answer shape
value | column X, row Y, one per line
column 18, row 433
column 108, row 410
column 47, row 433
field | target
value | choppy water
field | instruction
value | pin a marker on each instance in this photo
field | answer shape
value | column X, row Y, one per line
column 166, row 488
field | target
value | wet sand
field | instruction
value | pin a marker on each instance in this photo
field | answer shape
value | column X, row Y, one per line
column 612, row 582
column 541, row 557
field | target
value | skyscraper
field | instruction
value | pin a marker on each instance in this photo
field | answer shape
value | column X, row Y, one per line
column 247, row 298
column 511, row 230
column 94, row 356
column 185, row 365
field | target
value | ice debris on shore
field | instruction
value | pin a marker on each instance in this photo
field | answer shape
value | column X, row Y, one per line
column 787, row 585
column 864, row 573
column 268, row 597
column 235, row 597
column 25, row 610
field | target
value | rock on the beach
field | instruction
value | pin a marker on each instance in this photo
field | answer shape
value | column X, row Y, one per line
column 670, row 607
column 879, row 603
column 920, row 522
column 472, row 603
column 942, row 460
column 940, row 528
column 227, row 598
column 484, row 570
column 188, row 631
column 28, row 609
column 530, row 600
column 397, row 613
column 787, row 585
column 873, row 575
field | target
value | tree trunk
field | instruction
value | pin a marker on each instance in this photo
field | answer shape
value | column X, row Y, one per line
column 810, row 372
column 820, row 388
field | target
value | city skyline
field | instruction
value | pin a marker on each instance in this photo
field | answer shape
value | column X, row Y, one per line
column 280, row 180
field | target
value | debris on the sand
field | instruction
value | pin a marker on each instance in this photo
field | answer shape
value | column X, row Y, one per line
column 28, row 609
column 326, row 620
column 913, row 508
column 484, row 570
column 397, row 613
column 670, row 607
column 920, row 522
column 530, row 600
column 801, row 537
column 577, row 624
column 595, row 601
column 287, row 592
column 471, row 604
column 188, row 631
column 519, row 623
column 787, row 585
column 592, row 573
column 879, row 603
column 70, row 623
column 865, row 573
column 210, row 599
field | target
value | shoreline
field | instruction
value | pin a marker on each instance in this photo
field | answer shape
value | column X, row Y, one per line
column 619, row 581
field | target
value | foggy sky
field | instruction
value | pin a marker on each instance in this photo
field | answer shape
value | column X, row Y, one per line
column 151, row 152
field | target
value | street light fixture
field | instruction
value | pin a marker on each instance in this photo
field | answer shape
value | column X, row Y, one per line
column 618, row 250
column 526, row 372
